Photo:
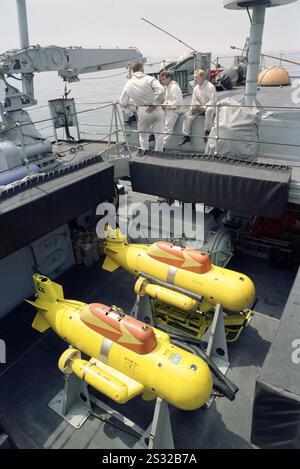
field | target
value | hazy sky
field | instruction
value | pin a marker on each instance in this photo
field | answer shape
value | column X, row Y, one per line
column 204, row 24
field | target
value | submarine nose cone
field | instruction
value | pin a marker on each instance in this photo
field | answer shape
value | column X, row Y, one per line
column 195, row 389
column 247, row 292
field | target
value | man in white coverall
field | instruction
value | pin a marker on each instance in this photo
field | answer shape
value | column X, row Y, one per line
column 148, row 94
column 203, row 100
column 172, row 103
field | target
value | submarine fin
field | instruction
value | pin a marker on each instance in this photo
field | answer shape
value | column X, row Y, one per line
column 37, row 304
column 59, row 290
column 109, row 265
column 39, row 323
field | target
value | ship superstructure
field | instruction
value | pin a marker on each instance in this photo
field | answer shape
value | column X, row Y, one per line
column 50, row 192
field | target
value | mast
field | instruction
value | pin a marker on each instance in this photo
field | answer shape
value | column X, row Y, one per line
column 27, row 78
column 255, row 42
column 23, row 26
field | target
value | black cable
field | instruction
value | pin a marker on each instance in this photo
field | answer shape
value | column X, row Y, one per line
column 107, row 418
column 249, row 15
column 117, row 196
column 222, row 383
column 66, row 125
column 15, row 78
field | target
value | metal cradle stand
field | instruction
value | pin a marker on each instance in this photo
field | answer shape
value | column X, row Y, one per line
column 216, row 341
column 217, row 345
column 159, row 434
column 73, row 404
column 215, row 336
column 142, row 309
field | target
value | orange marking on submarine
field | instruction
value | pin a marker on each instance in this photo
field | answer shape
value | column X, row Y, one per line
column 128, row 331
column 178, row 257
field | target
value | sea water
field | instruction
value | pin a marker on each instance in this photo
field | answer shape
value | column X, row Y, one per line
column 95, row 91
column 93, row 95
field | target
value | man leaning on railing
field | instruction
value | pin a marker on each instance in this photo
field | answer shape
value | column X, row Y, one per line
column 148, row 94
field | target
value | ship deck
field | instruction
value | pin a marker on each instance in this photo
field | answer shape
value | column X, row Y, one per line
column 30, row 379
column 120, row 159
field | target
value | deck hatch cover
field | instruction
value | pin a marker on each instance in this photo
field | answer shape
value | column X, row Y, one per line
column 30, row 214
column 244, row 187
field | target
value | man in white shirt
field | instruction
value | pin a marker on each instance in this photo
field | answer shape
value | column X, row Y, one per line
column 203, row 101
column 172, row 103
column 148, row 94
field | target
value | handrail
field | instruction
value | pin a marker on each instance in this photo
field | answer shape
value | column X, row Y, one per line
column 116, row 126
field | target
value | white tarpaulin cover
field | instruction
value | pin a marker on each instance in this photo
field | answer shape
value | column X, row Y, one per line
column 238, row 131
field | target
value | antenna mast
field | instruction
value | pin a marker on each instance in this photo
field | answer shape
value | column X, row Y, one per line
column 169, row 34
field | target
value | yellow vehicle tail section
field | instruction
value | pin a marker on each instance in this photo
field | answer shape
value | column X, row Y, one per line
column 47, row 292
column 110, row 265
column 39, row 323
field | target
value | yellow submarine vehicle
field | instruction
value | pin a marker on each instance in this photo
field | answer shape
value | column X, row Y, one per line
column 128, row 357
column 184, row 285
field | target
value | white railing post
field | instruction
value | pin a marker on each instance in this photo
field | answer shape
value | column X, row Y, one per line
column 217, row 128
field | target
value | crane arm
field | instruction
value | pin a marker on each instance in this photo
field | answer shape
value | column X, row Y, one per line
column 69, row 62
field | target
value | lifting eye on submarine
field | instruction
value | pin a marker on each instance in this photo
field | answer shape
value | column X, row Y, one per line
column 115, row 313
column 177, row 248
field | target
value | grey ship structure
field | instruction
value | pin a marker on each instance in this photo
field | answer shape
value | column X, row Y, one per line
column 49, row 193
